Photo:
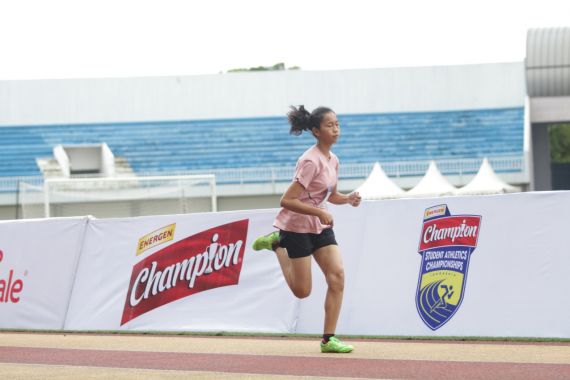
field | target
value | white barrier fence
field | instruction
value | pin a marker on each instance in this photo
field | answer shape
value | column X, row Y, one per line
column 458, row 266
column 38, row 260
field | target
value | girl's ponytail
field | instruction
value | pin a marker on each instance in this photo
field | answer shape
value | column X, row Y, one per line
column 300, row 120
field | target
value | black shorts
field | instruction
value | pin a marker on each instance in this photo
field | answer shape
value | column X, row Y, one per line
column 304, row 244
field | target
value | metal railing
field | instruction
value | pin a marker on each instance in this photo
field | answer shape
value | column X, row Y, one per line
column 270, row 174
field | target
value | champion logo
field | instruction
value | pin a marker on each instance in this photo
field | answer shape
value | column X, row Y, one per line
column 452, row 230
column 446, row 245
column 204, row 261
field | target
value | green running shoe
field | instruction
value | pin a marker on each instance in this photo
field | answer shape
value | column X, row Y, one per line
column 334, row 345
column 266, row 241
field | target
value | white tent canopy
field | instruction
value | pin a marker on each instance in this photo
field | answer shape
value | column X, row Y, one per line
column 486, row 182
column 433, row 184
column 379, row 186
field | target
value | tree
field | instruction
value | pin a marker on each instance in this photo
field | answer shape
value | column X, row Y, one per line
column 277, row 67
column 559, row 136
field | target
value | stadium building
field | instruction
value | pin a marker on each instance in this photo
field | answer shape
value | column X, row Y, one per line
column 234, row 127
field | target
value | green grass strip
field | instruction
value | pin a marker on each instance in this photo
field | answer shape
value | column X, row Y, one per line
column 287, row 335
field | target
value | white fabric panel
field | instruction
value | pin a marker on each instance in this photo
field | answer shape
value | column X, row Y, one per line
column 261, row 302
column 515, row 284
column 37, row 268
column 517, row 277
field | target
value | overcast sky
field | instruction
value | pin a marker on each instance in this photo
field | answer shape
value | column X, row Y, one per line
column 126, row 38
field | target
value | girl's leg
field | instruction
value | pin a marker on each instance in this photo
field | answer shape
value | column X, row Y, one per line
column 330, row 261
column 297, row 272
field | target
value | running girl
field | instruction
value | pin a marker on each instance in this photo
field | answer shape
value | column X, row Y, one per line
column 305, row 224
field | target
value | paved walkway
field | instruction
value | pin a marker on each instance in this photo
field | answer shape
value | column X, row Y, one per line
column 91, row 356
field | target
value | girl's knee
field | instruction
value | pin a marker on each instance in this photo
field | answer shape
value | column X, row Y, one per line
column 335, row 279
column 302, row 291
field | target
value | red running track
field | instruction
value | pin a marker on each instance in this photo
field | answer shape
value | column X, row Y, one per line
column 284, row 365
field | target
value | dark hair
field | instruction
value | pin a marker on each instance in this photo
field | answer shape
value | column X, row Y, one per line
column 301, row 120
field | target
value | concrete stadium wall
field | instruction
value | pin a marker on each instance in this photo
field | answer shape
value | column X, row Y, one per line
column 445, row 88
column 230, row 198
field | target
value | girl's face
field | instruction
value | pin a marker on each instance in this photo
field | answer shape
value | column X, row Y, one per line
column 329, row 131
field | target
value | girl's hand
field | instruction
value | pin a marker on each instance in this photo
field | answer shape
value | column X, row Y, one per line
column 326, row 218
column 354, row 199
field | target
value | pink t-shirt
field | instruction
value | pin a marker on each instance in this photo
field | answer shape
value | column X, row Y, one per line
column 318, row 175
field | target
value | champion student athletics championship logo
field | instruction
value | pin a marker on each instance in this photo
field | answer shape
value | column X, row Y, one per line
column 446, row 244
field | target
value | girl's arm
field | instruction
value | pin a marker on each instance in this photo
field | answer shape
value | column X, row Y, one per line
column 337, row 198
column 290, row 201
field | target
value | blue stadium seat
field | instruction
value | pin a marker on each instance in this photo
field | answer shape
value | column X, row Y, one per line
column 251, row 142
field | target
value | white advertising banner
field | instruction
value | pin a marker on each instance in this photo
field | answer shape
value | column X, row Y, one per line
column 182, row 272
column 457, row 266
column 37, row 268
